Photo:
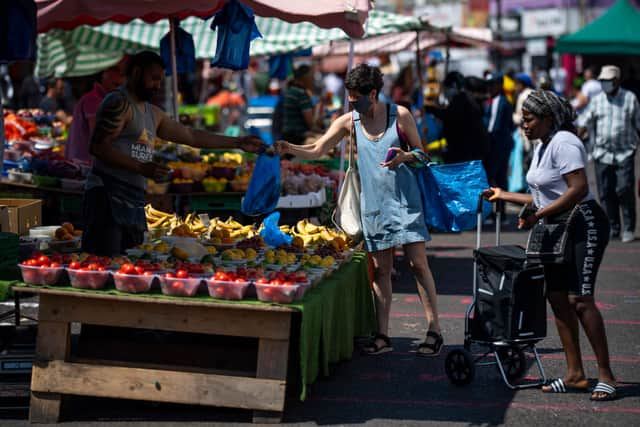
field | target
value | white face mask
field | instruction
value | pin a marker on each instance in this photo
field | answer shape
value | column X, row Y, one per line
column 607, row 86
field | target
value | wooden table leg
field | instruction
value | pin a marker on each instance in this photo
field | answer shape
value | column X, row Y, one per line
column 53, row 344
column 273, row 358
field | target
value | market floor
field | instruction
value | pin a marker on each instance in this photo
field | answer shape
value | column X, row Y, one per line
column 400, row 389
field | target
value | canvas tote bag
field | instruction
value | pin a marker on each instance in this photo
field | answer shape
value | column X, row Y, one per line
column 347, row 213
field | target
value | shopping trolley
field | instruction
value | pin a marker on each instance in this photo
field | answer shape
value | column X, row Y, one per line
column 506, row 317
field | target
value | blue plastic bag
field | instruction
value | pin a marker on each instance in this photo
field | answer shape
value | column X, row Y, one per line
column 263, row 191
column 450, row 195
column 271, row 233
column 185, row 51
column 236, row 29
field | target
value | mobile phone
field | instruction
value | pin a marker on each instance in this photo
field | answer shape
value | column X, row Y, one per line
column 390, row 155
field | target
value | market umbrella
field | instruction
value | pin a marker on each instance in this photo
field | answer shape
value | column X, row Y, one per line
column 87, row 50
column 69, row 14
column 613, row 33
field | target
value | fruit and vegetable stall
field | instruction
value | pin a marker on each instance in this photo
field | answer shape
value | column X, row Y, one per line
column 202, row 275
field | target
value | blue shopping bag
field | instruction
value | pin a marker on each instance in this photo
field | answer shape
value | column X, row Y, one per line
column 271, row 233
column 450, row 195
column 263, row 191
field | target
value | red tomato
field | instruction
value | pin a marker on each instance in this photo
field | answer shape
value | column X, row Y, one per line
column 101, row 268
column 182, row 274
column 276, row 282
column 262, row 281
column 288, row 283
column 148, row 273
column 93, row 266
column 221, row 275
column 139, row 269
column 45, row 265
column 55, row 265
column 169, row 275
column 75, row 265
column 240, row 280
column 44, row 260
column 128, row 268
column 177, row 285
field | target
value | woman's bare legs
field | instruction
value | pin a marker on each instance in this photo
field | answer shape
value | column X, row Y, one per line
column 382, row 266
column 417, row 254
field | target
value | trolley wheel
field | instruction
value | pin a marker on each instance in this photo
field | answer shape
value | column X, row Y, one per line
column 459, row 367
column 513, row 360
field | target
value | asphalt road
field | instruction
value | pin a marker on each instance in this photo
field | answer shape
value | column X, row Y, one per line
column 400, row 389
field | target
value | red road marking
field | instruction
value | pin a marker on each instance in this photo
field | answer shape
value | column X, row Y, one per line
column 475, row 404
column 605, row 306
column 620, row 268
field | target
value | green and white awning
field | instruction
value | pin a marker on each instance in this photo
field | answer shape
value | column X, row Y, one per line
column 87, row 50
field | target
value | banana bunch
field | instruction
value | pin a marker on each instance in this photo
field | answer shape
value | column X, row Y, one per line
column 232, row 157
column 192, row 226
column 310, row 234
column 158, row 219
column 230, row 229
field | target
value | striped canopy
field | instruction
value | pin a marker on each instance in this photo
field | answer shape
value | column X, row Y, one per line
column 87, row 50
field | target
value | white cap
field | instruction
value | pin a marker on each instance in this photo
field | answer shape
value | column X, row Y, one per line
column 609, row 72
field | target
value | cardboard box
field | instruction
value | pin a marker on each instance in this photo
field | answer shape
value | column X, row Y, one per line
column 23, row 214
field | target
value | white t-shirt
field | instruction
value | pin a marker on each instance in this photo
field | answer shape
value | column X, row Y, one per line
column 591, row 88
column 564, row 153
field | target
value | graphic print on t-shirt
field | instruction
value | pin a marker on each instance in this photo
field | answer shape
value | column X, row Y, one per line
column 142, row 149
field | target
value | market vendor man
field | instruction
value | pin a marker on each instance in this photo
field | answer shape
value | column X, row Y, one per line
column 122, row 149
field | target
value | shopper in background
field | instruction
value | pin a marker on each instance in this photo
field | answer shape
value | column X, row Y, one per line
column 84, row 113
column 55, row 90
column 298, row 118
column 589, row 89
column 468, row 142
column 499, row 122
column 403, row 87
column 613, row 117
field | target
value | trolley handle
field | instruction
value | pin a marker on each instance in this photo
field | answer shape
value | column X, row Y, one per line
column 479, row 208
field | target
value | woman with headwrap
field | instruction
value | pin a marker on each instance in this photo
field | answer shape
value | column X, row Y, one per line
column 558, row 184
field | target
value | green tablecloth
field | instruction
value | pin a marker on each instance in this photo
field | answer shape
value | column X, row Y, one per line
column 338, row 309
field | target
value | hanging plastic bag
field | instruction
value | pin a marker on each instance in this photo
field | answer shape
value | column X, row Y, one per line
column 271, row 233
column 185, row 51
column 450, row 195
column 236, row 29
column 264, row 189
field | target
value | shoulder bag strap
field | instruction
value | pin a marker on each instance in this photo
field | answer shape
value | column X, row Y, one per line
column 352, row 142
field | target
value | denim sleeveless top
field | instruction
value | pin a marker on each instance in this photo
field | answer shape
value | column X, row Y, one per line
column 390, row 202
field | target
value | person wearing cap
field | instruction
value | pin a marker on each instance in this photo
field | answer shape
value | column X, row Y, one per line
column 84, row 113
column 612, row 119
column 499, row 122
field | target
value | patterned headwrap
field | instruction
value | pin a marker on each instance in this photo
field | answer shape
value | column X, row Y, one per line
column 543, row 103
